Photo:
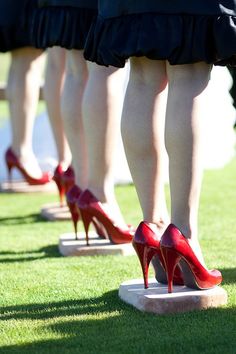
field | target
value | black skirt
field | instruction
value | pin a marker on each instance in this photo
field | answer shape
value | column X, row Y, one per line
column 15, row 23
column 63, row 23
column 179, row 31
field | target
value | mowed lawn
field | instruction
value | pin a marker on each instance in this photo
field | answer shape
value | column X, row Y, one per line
column 52, row 304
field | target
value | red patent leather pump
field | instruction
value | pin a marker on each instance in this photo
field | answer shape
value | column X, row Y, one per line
column 57, row 177
column 90, row 207
column 147, row 245
column 68, row 178
column 12, row 161
column 176, row 249
column 72, row 197
column 64, row 179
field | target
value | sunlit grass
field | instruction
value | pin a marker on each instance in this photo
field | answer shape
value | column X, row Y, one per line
column 51, row 303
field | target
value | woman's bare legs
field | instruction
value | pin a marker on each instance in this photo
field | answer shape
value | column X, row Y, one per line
column 71, row 107
column 102, row 105
column 23, row 87
column 144, row 145
column 184, row 116
column 54, row 80
column 143, row 122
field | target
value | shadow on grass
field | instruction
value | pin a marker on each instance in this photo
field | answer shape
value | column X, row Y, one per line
column 107, row 325
column 27, row 256
column 20, row 220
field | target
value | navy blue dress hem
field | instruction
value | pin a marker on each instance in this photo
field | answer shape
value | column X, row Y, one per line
column 178, row 38
column 15, row 28
column 66, row 27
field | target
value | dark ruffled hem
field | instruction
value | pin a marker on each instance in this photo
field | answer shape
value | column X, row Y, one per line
column 18, row 35
column 66, row 27
column 180, row 39
column 13, row 38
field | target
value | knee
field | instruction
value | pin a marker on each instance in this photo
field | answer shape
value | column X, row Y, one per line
column 148, row 74
column 76, row 67
column 189, row 78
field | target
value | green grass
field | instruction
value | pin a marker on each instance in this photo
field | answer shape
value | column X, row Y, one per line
column 51, row 304
column 4, row 65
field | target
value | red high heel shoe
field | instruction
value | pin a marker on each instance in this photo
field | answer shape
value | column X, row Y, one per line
column 91, row 208
column 13, row 161
column 57, row 177
column 147, row 245
column 175, row 248
column 68, row 179
column 64, row 179
column 72, row 197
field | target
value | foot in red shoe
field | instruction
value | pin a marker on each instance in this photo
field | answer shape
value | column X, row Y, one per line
column 176, row 250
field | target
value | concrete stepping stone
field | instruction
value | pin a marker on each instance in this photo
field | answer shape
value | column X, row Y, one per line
column 55, row 212
column 24, row 187
column 156, row 299
column 69, row 246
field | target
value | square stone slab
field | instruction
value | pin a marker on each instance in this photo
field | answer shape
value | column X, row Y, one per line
column 156, row 299
column 55, row 212
column 24, row 187
column 69, row 246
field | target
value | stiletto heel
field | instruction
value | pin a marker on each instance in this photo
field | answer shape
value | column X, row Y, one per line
column 176, row 249
column 13, row 161
column 145, row 255
column 9, row 170
column 87, row 219
column 57, row 177
column 68, row 179
column 147, row 245
column 171, row 260
column 92, row 209
column 71, row 198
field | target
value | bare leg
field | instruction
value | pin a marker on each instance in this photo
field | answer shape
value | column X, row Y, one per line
column 143, row 122
column 54, row 79
column 183, row 142
column 23, row 92
column 102, row 106
column 71, row 107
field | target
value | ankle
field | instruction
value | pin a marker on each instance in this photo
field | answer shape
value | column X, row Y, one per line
column 19, row 150
column 158, row 227
column 105, row 196
column 190, row 232
column 30, row 163
column 99, row 194
column 188, row 229
column 114, row 213
column 64, row 164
